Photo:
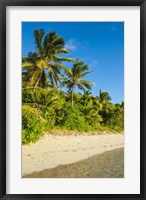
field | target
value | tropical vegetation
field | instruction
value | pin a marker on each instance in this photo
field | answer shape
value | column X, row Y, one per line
column 49, row 98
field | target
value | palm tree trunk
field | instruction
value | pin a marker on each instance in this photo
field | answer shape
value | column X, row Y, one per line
column 39, row 79
column 72, row 101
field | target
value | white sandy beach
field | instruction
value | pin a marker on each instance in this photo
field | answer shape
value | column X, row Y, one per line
column 53, row 150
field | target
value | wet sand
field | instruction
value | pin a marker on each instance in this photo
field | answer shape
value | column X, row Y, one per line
column 106, row 165
column 52, row 151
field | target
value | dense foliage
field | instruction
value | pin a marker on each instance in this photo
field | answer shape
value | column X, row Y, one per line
column 46, row 105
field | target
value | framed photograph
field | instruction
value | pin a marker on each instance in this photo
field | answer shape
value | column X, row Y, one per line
column 72, row 99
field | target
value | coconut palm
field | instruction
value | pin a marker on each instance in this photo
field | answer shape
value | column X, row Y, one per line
column 75, row 78
column 42, row 101
column 104, row 97
column 45, row 60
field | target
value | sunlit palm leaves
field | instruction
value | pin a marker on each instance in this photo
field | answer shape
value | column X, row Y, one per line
column 45, row 60
column 79, row 70
column 104, row 96
column 41, row 101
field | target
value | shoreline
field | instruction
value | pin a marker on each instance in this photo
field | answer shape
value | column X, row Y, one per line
column 55, row 150
column 98, row 166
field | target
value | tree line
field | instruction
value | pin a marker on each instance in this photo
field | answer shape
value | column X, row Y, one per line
column 45, row 103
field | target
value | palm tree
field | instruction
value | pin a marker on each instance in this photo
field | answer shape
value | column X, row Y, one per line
column 78, row 71
column 45, row 60
column 104, row 97
column 42, row 101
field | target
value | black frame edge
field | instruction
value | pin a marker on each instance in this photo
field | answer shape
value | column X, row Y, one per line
column 3, row 4
column 72, row 2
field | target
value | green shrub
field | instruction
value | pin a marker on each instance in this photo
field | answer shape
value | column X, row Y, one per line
column 74, row 121
column 71, row 118
column 32, row 129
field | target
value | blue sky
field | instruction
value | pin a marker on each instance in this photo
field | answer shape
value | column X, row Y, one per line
column 98, row 44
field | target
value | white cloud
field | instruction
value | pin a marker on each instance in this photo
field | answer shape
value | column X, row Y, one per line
column 94, row 62
column 71, row 44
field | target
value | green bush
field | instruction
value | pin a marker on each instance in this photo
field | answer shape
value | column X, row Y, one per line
column 32, row 129
column 75, row 121
column 71, row 118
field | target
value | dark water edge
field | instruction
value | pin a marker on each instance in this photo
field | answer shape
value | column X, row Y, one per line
column 106, row 165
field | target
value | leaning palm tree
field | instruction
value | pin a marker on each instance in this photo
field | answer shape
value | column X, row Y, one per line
column 75, row 78
column 45, row 60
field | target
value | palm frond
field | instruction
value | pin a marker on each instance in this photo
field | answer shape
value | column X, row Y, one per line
column 60, row 59
column 62, row 50
column 65, row 83
column 65, row 69
column 81, row 87
column 30, row 111
column 41, row 64
column 38, row 34
column 54, row 74
column 58, row 41
column 35, row 77
column 87, row 84
column 27, row 65
column 83, row 74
